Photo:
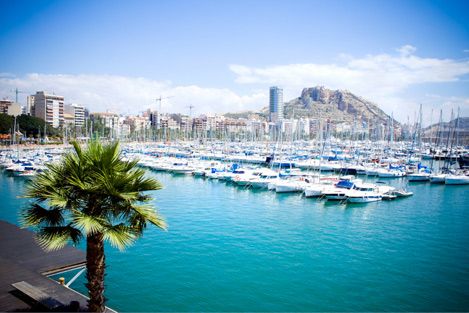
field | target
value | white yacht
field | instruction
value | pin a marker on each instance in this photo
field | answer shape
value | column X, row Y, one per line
column 457, row 180
column 390, row 173
column 266, row 177
column 290, row 185
column 364, row 195
column 418, row 177
column 339, row 191
column 245, row 178
column 437, row 178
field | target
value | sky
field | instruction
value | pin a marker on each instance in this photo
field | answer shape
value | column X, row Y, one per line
column 223, row 55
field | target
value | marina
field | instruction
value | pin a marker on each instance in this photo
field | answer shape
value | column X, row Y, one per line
column 233, row 244
column 234, row 156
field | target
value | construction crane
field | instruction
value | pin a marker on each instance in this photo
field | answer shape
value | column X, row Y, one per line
column 14, row 123
column 16, row 91
column 161, row 98
column 190, row 109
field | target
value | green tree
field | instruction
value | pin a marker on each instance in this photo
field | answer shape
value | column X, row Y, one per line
column 33, row 125
column 94, row 194
column 28, row 125
column 6, row 123
column 99, row 129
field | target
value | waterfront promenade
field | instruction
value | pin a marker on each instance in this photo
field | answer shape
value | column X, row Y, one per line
column 22, row 260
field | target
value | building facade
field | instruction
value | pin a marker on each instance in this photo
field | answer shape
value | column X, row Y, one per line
column 29, row 105
column 50, row 108
column 108, row 120
column 275, row 104
column 76, row 113
column 10, row 108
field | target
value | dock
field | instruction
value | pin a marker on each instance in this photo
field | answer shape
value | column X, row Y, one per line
column 23, row 260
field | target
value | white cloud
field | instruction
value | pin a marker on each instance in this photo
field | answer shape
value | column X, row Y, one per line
column 382, row 73
column 406, row 50
column 131, row 94
column 435, row 103
column 381, row 78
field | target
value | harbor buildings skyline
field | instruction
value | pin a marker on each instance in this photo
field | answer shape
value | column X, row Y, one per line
column 75, row 121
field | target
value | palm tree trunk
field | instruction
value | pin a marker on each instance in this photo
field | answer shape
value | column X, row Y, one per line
column 95, row 272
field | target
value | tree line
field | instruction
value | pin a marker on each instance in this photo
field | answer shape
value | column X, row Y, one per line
column 29, row 126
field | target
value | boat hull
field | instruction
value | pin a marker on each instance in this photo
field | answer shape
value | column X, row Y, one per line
column 457, row 180
column 364, row 199
column 418, row 178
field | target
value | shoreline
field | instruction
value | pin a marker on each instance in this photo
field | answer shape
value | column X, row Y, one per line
column 23, row 147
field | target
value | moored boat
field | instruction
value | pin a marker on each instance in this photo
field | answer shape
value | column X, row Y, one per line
column 457, row 180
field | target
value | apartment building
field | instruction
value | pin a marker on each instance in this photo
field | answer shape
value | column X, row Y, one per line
column 10, row 108
column 49, row 107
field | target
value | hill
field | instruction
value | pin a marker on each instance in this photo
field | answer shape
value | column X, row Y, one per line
column 337, row 105
column 456, row 130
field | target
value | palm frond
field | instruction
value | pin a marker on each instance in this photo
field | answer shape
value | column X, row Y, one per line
column 91, row 189
column 56, row 237
column 77, row 149
column 147, row 213
column 119, row 236
column 89, row 224
column 36, row 215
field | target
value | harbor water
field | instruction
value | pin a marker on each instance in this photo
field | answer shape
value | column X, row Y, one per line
column 229, row 248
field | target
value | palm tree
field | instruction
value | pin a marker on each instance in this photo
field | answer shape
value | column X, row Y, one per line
column 91, row 193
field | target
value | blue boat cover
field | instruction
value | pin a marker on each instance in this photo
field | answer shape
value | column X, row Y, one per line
column 344, row 184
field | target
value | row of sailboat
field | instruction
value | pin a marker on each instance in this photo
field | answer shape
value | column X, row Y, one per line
column 342, row 158
column 311, row 184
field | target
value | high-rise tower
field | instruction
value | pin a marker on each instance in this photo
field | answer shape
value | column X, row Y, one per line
column 276, row 104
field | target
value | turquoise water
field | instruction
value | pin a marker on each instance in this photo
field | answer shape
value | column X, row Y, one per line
column 232, row 249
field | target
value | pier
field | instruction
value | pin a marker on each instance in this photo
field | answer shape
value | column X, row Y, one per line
column 24, row 267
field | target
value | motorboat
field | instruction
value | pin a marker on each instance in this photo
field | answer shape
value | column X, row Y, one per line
column 390, row 173
column 401, row 193
column 263, row 180
column 437, row 178
column 339, row 191
column 457, row 180
column 418, row 177
column 423, row 174
column 290, row 185
column 363, row 195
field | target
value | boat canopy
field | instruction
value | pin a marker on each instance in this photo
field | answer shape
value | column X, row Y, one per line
column 345, row 184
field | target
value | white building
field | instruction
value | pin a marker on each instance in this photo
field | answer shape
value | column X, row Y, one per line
column 29, row 105
column 77, row 113
column 49, row 107
column 108, row 120
column 10, row 108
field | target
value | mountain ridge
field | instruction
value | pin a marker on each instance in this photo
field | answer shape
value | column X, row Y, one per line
column 448, row 131
column 336, row 105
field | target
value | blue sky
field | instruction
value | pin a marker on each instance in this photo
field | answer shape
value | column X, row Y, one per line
column 223, row 55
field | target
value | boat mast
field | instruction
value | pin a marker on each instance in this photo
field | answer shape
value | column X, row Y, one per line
column 391, row 129
column 420, row 128
column 457, row 128
column 438, row 132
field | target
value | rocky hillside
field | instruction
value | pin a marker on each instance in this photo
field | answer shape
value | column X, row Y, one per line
column 337, row 105
column 448, row 131
column 246, row 115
